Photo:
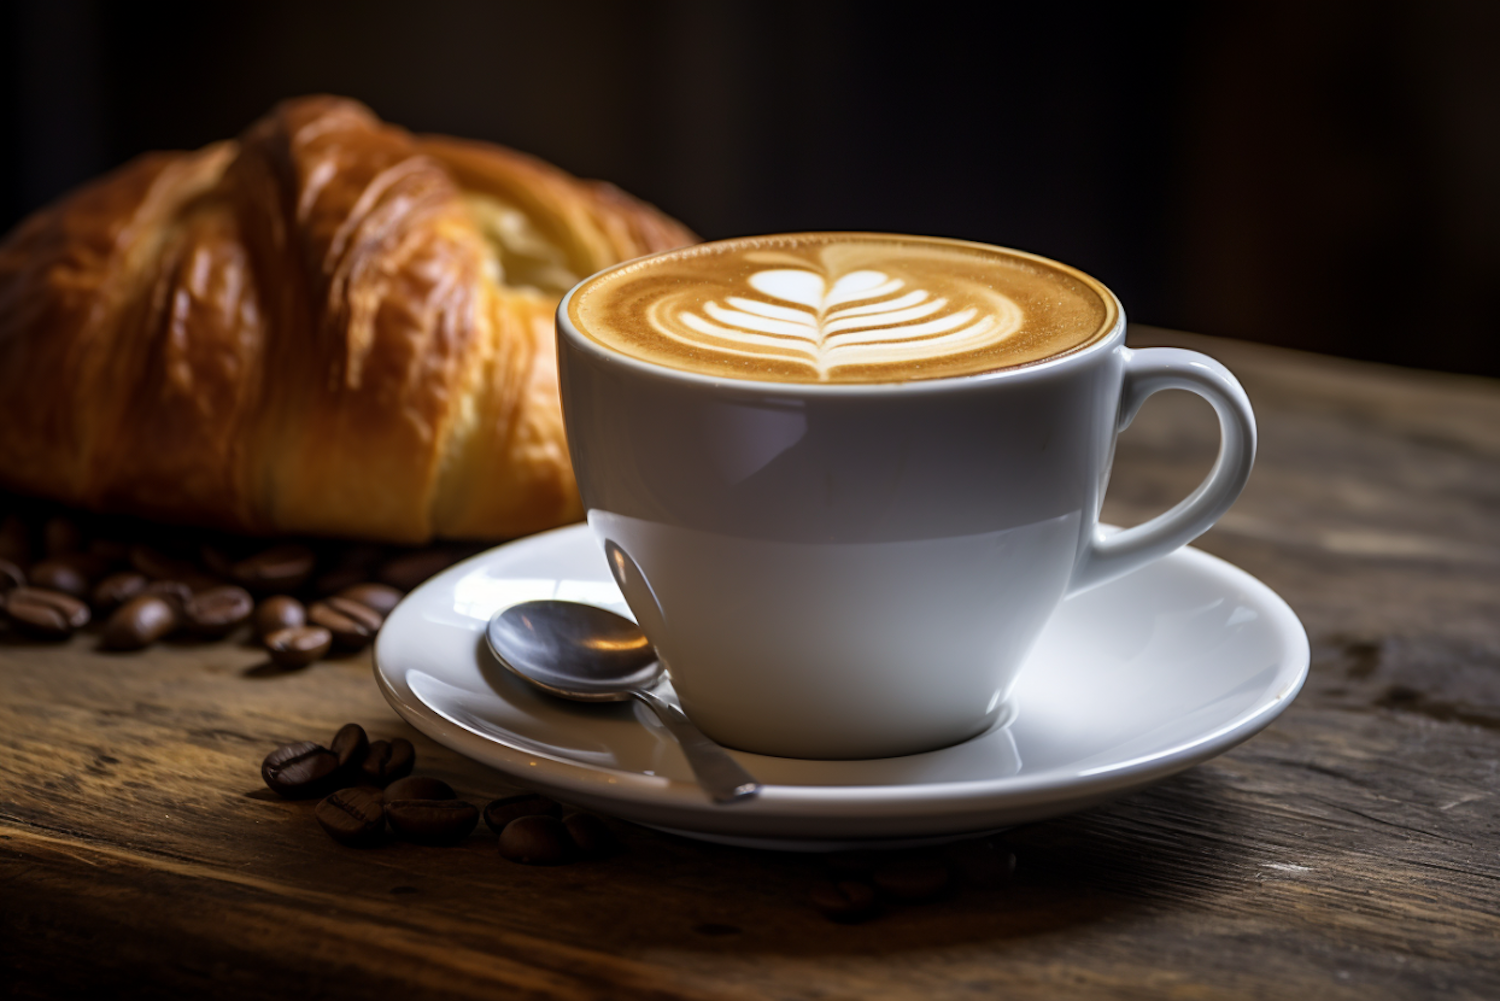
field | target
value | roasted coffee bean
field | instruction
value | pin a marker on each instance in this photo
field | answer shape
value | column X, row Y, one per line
column 380, row 597
column 419, row 787
column 159, row 566
column 367, row 615
column 218, row 610
column 388, row 760
column 846, row 901
column 279, row 612
column 116, row 589
column 298, row 646
column 431, row 821
column 503, row 811
column 11, row 576
column 46, row 614
column 175, row 592
column 335, row 581
column 407, row 571
column 280, row 568
column 350, row 745
column 61, row 535
column 536, row 841
column 353, row 625
column 984, row 863
column 590, row 836
column 139, row 622
column 354, row 817
column 216, row 560
column 302, row 770
column 351, row 565
column 15, row 541
column 912, row 882
column 59, row 575
column 91, row 565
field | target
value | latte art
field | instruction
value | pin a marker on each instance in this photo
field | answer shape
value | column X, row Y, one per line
column 842, row 308
column 863, row 317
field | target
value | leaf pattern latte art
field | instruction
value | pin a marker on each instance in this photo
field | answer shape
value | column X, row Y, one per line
column 863, row 317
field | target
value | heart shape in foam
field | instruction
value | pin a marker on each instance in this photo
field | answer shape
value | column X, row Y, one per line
column 810, row 289
column 862, row 317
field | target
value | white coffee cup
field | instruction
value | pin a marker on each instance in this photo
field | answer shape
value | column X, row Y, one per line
column 859, row 570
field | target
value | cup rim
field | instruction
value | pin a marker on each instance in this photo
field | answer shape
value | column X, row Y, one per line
column 1025, row 371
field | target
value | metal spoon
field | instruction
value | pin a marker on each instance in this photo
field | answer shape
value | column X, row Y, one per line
column 590, row 654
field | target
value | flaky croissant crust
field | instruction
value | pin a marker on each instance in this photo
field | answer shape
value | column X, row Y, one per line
column 327, row 326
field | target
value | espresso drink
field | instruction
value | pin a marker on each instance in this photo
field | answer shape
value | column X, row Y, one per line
column 843, row 308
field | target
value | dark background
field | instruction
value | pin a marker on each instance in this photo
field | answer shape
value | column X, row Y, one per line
column 1324, row 175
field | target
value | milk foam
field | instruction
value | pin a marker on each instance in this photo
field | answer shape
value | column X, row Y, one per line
column 841, row 308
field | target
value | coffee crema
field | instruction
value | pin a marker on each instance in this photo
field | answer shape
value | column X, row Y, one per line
column 843, row 308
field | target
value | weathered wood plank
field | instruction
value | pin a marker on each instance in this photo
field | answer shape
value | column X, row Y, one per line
column 1351, row 850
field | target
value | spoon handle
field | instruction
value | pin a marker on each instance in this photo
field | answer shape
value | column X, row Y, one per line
column 719, row 774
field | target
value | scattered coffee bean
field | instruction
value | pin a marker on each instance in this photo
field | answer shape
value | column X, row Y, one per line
column 419, row 787
column 281, row 568
column 139, row 622
column 432, row 821
column 351, row 566
column 217, row 611
column 912, row 881
column 92, row 566
column 590, row 836
column 279, row 612
column 174, row 592
column 298, row 646
column 380, row 597
column 11, row 576
column 61, row 535
column 503, row 811
column 847, row 901
column 353, row 625
column 302, row 770
column 407, row 571
column 536, row 840
column 985, row 863
column 354, row 817
column 108, row 561
column 15, row 541
column 366, row 615
column 335, row 581
column 350, row 745
column 116, row 589
column 388, row 760
column 59, row 575
column 159, row 566
column 46, row 614
column 216, row 560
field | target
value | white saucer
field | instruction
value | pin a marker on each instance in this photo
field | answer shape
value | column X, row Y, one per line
column 1130, row 683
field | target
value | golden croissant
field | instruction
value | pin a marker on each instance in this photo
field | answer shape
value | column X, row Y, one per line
column 328, row 326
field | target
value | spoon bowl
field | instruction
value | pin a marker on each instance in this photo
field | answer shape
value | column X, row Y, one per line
column 574, row 651
column 590, row 654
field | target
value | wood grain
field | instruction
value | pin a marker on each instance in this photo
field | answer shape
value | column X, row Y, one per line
column 1349, row 851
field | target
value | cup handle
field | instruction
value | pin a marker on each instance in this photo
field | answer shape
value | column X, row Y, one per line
column 1149, row 371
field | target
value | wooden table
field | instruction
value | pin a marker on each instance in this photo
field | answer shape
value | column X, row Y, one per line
column 1351, row 850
